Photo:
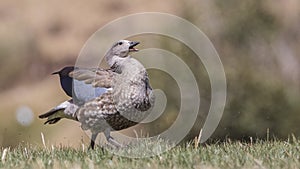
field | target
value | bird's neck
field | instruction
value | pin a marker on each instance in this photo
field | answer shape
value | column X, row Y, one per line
column 116, row 63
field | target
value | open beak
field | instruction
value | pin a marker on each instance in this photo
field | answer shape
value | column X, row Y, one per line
column 132, row 45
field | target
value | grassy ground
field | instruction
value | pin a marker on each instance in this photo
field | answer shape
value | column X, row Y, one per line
column 261, row 154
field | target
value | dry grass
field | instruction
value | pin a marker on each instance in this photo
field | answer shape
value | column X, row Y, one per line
column 261, row 154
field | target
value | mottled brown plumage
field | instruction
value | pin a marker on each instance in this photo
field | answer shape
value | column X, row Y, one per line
column 127, row 100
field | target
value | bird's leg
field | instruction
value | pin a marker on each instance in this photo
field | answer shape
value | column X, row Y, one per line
column 93, row 139
column 110, row 139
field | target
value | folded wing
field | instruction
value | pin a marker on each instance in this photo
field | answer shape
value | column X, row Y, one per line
column 96, row 77
column 86, row 84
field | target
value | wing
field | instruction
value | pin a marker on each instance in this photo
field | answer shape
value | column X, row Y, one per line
column 96, row 77
column 84, row 84
column 90, row 83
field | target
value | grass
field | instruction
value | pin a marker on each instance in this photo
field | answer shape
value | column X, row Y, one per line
column 260, row 154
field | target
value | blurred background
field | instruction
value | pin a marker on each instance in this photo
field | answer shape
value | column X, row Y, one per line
column 258, row 43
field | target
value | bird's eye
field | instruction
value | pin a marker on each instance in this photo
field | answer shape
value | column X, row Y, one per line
column 120, row 43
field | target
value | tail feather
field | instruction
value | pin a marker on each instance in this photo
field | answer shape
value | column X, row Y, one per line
column 49, row 113
column 65, row 110
column 52, row 116
column 52, row 121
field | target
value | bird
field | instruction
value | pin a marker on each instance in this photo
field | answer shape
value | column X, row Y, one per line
column 105, row 100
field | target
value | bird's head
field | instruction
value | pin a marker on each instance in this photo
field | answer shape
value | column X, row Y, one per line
column 120, row 50
column 123, row 47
